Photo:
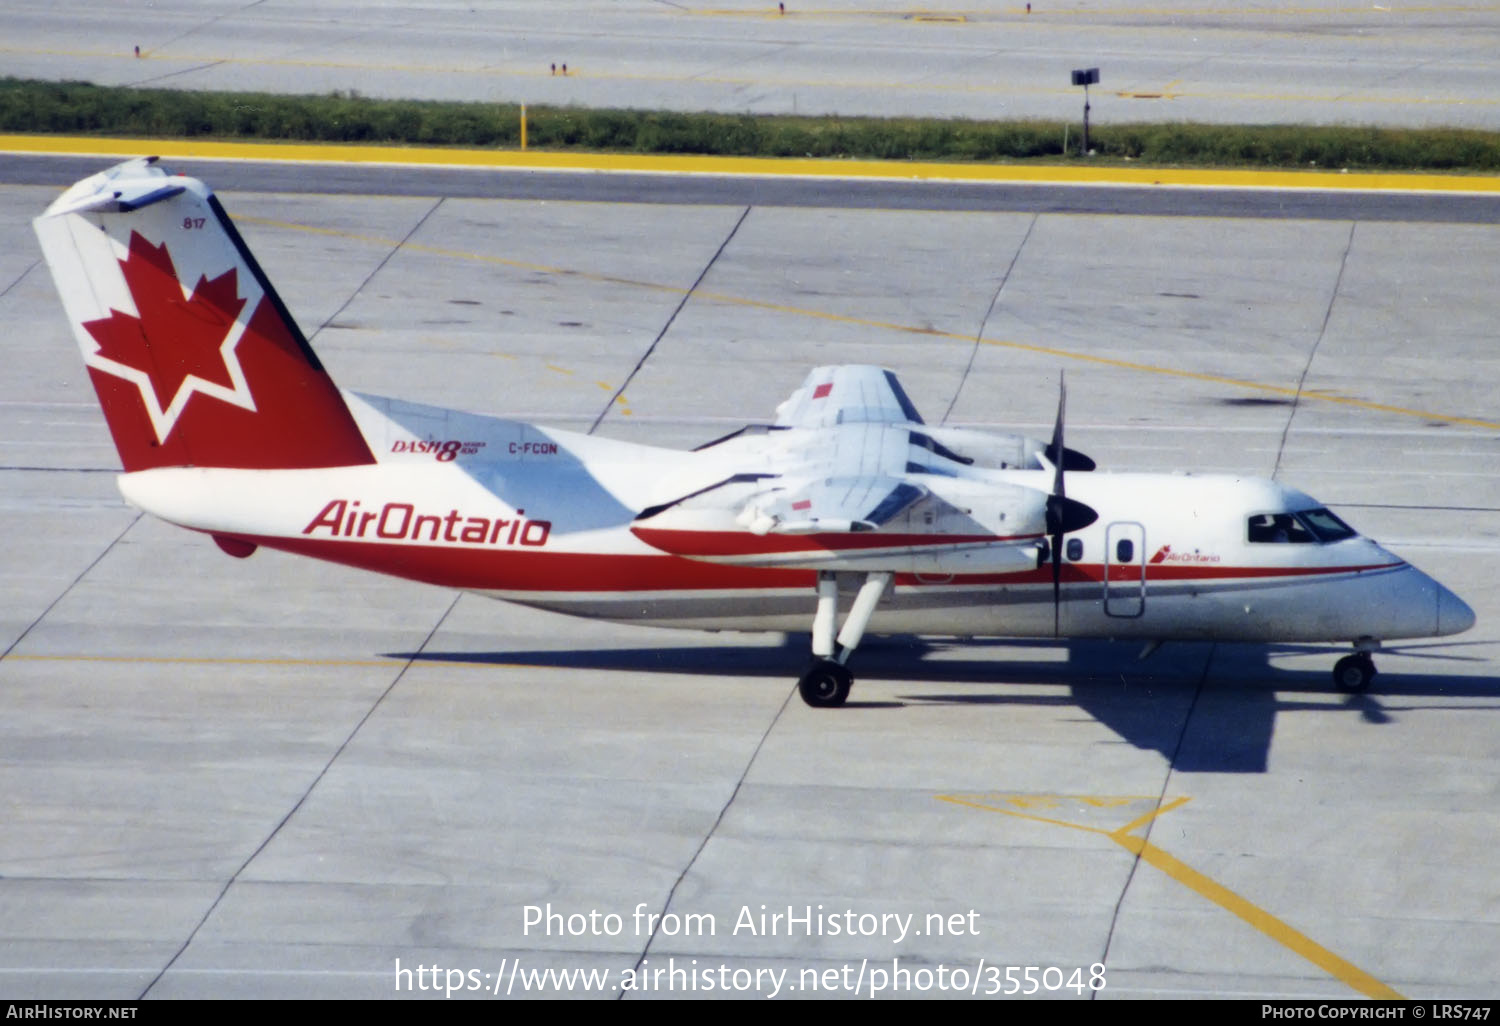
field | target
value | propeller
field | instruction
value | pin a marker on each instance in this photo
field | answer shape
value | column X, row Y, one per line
column 1063, row 514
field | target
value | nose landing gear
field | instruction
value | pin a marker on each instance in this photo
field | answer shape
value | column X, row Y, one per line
column 1353, row 673
column 826, row 683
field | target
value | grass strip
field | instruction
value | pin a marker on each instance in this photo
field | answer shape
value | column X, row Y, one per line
column 81, row 108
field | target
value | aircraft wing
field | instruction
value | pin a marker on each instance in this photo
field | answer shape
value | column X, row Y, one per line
column 849, row 481
column 847, row 395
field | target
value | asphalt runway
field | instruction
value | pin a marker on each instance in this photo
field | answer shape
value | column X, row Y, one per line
column 273, row 777
column 1320, row 203
column 1278, row 61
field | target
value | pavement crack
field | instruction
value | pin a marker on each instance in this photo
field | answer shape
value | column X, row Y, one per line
column 1135, row 863
column 985, row 320
column 178, row 73
column 71, row 585
column 708, row 836
column 620, row 392
column 1333, row 297
column 302, row 800
column 378, row 268
column 19, row 278
column 203, row 25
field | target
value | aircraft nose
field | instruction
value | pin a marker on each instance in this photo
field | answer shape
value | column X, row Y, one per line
column 1453, row 614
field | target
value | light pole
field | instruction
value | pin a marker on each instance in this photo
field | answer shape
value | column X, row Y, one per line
column 1085, row 77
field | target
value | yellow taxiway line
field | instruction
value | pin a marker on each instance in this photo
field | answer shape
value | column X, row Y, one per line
column 537, row 160
column 1025, row 807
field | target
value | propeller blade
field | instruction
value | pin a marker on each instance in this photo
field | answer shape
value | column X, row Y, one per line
column 1059, row 455
column 1072, row 459
column 1057, row 436
column 1063, row 514
column 1057, row 584
column 1057, row 504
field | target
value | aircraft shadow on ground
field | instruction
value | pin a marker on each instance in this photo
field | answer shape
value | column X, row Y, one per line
column 1205, row 708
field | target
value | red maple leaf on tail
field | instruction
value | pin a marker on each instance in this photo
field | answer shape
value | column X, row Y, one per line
column 173, row 337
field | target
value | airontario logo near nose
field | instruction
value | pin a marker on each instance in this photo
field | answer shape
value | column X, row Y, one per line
column 401, row 521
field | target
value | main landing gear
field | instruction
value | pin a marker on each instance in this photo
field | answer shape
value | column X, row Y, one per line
column 1353, row 673
column 826, row 683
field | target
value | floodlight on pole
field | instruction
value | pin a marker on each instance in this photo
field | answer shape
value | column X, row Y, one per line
column 1085, row 77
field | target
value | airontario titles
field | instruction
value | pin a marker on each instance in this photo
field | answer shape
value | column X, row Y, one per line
column 402, row 521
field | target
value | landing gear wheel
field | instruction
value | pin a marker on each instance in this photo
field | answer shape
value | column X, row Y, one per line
column 1353, row 673
column 825, row 685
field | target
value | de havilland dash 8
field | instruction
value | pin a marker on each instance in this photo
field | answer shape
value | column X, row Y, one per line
column 845, row 515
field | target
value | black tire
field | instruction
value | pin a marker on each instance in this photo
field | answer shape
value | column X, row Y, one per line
column 1353, row 673
column 825, row 685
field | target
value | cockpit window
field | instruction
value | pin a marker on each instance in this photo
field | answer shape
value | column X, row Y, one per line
column 1278, row 527
column 1325, row 525
column 1306, row 527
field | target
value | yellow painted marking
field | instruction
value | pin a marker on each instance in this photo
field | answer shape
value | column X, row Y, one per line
column 1312, row 395
column 1279, row 931
column 1146, row 818
column 753, row 166
column 1262, row 920
column 1075, row 811
column 1167, row 92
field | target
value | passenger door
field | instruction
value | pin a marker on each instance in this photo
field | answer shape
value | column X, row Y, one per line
column 1125, row 570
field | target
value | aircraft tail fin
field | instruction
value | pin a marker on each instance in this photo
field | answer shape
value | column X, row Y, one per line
column 194, row 357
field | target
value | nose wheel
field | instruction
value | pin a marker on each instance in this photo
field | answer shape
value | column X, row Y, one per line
column 826, row 684
column 1353, row 673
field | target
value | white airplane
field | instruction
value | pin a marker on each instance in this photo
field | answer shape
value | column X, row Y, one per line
column 847, row 505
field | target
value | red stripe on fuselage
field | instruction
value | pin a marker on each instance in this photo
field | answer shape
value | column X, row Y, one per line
column 707, row 544
column 1122, row 575
column 480, row 569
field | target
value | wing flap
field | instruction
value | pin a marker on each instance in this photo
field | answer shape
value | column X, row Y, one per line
column 848, row 504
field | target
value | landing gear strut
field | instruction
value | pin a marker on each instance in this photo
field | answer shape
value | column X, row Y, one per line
column 826, row 683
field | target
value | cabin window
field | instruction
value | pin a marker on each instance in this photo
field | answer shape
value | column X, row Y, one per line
column 1124, row 550
column 1074, row 549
